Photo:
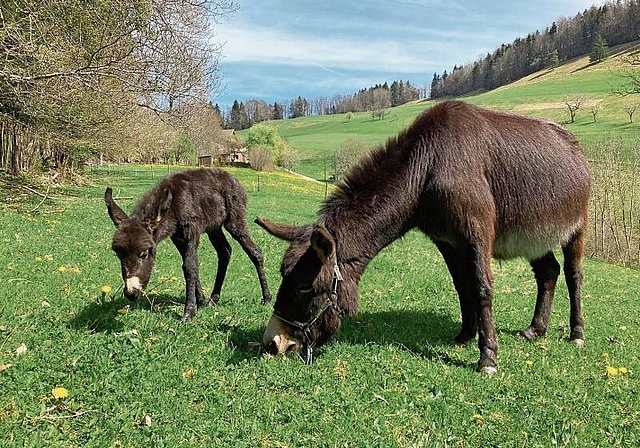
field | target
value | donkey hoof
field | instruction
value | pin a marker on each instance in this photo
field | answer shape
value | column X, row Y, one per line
column 188, row 315
column 488, row 370
column 578, row 342
column 530, row 334
column 215, row 298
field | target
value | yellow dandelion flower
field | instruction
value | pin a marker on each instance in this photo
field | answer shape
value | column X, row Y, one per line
column 62, row 269
column 48, row 257
column 173, row 278
column 623, row 370
column 59, row 393
column 106, row 289
column 477, row 418
column 124, row 310
column 528, row 362
column 38, row 258
column 612, row 371
column 605, row 355
column 75, row 270
column 188, row 374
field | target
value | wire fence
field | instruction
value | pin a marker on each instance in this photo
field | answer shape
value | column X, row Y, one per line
column 614, row 212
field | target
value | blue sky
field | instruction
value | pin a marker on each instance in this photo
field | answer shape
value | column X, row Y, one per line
column 276, row 50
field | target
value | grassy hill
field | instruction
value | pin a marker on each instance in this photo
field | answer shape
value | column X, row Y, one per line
column 540, row 94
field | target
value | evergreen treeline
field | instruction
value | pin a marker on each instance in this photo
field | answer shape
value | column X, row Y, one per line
column 615, row 22
column 375, row 99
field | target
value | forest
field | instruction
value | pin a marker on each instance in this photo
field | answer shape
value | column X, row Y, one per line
column 612, row 23
column 375, row 99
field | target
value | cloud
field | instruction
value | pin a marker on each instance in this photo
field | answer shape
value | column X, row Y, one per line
column 402, row 55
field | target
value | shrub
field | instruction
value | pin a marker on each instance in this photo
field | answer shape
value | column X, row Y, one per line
column 261, row 159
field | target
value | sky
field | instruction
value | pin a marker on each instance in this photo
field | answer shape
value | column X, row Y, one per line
column 277, row 50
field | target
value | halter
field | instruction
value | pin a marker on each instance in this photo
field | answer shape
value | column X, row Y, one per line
column 332, row 302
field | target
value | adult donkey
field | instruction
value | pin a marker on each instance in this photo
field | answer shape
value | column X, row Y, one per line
column 182, row 206
column 479, row 183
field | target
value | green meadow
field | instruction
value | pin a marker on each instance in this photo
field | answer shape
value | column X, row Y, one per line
column 541, row 94
column 135, row 375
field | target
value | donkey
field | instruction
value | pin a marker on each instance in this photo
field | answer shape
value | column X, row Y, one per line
column 182, row 206
column 480, row 184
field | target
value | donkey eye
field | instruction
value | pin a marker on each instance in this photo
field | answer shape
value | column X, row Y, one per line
column 144, row 255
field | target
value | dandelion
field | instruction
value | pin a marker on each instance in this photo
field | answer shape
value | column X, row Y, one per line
column 38, row 258
column 62, row 269
column 605, row 356
column 124, row 310
column 59, row 393
column 623, row 370
column 106, row 289
column 477, row 418
column 48, row 257
column 528, row 362
column 612, row 371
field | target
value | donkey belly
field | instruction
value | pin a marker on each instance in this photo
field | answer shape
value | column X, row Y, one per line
column 532, row 243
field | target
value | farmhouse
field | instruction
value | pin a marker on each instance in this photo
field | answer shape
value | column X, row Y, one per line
column 226, row 152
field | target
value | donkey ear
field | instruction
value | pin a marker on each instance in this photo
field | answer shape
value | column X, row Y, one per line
column 164, row 202
column 322, row 243
column 116, row 214
column 286, row 232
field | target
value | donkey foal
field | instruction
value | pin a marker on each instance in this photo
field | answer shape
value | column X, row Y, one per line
column 183, row 206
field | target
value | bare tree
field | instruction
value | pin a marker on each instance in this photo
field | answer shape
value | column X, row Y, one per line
column 595, row 108
column 631, row 74
column 631, row 109
column 349, row 152
column 261, row 159
column 70, row 68
column 573, row 104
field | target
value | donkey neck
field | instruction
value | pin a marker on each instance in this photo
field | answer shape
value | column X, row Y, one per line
column 370, row 210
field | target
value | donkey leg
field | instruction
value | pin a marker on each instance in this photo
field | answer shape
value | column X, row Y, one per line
column 457, row 268
column 240, row 232
column 573, row 254
column 546, row 271
column 479, row 268
column 223, row 249
column 189, row 251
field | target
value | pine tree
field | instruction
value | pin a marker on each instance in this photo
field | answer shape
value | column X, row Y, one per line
column 599, row 51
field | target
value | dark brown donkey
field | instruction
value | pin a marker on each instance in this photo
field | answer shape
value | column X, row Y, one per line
column 479, row 183
column 183, row 206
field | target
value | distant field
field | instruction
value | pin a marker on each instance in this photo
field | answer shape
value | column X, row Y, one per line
column 541, row 94
column 391, row 378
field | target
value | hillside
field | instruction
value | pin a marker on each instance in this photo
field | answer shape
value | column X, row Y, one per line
column 541, row 94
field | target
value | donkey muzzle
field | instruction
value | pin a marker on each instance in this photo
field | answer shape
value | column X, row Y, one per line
column 132, row 288
column 277, row 340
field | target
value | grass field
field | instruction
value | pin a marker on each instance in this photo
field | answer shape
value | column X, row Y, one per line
column 391, row 378
column 541, row 94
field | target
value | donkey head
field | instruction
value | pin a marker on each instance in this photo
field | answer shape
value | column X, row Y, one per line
column 306, row 311
column 134, row 243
